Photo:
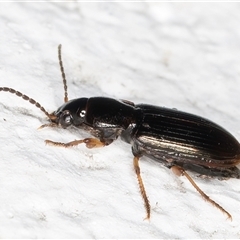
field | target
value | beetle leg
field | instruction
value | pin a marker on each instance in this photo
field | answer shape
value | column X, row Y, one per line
column 48, row 125
column 141, row 186
column 179, row 171
column 90, row 143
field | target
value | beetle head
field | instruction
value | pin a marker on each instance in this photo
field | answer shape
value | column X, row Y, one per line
column 70, row 113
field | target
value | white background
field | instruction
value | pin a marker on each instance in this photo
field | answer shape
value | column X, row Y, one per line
column 177, row 55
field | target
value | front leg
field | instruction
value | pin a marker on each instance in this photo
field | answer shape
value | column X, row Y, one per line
column 89, row 142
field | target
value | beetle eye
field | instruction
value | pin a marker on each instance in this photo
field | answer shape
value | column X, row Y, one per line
column 65, row 119
column 82, row 113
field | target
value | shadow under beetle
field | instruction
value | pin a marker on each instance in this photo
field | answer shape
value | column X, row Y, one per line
column 179, row 140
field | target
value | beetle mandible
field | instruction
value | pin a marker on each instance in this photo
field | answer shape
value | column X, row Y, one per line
column 179, row 140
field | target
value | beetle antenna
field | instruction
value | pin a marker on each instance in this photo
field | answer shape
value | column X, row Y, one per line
column 25, row 97
column 63, row 73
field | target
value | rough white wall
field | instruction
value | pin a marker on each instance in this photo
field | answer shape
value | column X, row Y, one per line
column 178, row 55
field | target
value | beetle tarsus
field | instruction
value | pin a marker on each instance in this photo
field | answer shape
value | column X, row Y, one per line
column 142, row 188
column 179, row 171
column 66, row 145
column 90, row 143
column 48, row 125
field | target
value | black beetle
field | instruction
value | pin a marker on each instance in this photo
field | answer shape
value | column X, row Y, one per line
column 179, row 140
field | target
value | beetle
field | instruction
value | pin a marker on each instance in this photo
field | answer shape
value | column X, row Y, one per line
column 180, row 141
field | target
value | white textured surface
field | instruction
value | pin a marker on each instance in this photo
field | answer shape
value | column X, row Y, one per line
column 182, row 55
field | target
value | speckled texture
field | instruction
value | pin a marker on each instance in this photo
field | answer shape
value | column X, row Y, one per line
column 178, row 55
